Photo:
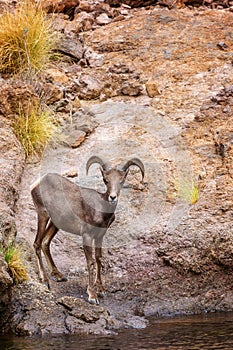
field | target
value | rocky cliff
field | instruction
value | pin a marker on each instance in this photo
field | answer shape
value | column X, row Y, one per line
column 154, row 82
column 12, row 165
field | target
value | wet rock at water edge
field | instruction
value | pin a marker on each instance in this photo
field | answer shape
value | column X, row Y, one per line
column 84, row 317
column 82, row 309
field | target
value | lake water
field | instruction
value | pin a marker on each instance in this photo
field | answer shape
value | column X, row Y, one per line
column 205, row 332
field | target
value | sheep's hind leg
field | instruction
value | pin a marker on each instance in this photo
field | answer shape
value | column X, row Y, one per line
column 50, row 232
column 41, row 227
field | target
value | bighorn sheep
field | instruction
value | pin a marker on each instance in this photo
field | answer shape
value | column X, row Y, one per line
column 62, row 204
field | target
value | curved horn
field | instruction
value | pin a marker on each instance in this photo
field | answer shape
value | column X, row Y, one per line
column 134, row 161
column 95, row 159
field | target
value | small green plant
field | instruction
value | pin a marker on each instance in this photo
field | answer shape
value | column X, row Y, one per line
column 34, row 127
column 26, row 39
column 187, row 190
column 13, row 256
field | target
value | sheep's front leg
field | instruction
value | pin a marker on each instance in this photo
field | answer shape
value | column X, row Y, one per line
column 87, row 246
column 98, row 256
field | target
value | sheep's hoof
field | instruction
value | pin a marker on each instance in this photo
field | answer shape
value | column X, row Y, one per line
column 47, row 284
column 58, row 277
column 100, row 290
column 101, row 293
column 62, row 279
column 93, row 301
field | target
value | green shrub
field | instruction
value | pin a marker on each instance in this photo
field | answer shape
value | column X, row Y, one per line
column 26, row 39
column 13, row 256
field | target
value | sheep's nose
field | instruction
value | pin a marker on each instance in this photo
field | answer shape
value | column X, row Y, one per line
column 112, row 198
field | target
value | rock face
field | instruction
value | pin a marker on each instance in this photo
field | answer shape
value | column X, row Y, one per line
column 26, row 316
column 5, row 284
column 12, row 163
column 46, row 313
column 170, row 103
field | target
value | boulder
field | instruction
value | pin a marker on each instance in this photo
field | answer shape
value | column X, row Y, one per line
column 83, row 317
column 132, row 3
column 96, row 7
column 131, row 89
column 82, row 22
column 70, row 45
column 152, row 89
column 16, row 95
column 89, row 87
column 56, row 76
column 84, row 6
column 75, row 133
column 34, row 310
column 93, row 58
column 103, row 19
column 65, row 6
column 81, row 309
column 52, row 92
column 79, row 139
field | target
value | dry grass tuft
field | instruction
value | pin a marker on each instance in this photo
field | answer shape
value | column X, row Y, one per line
column 34, row 128
column 26, row 39
column 187, row 190
column 13, row 256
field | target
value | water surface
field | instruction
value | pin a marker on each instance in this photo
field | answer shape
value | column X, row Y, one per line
column 211, row 331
